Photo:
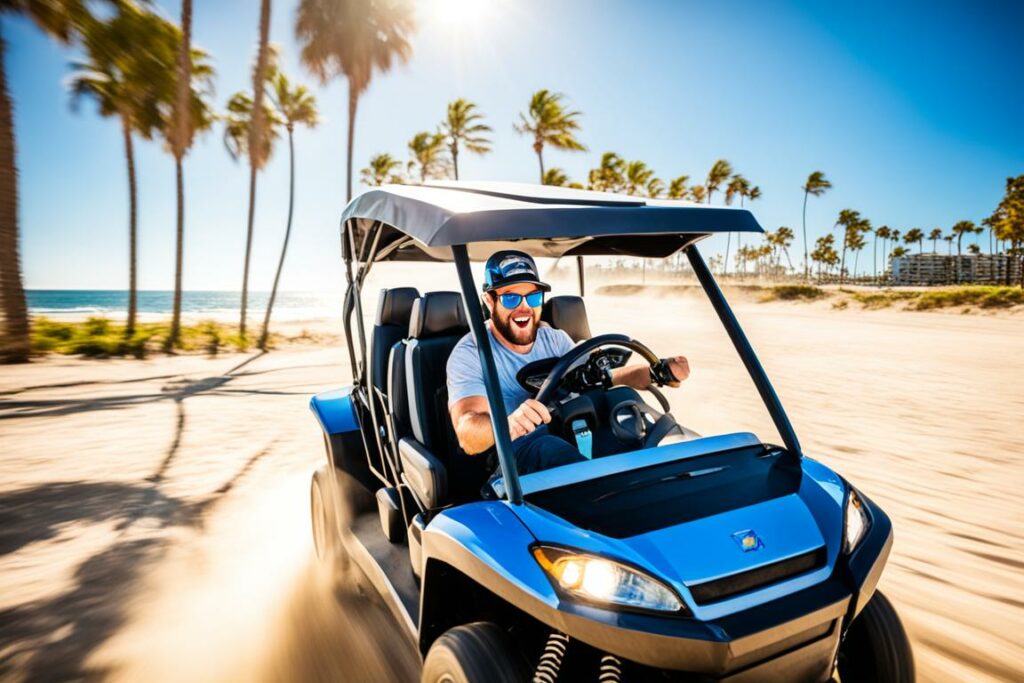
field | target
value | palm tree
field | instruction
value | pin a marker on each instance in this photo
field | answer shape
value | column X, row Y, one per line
column 382, row 169
column 935, row 235
column 119, row 75
column 677, row 188
column 62, row 20
column 915, row 236
column 637, row 176
column 850, row 220
column 698, row 193
column 719, row 173
column 655, row 187
column 1008, row 221
column 857, row 241
column 738, row 187
column 974, row 249
column 238, row 118
column 293, row 105
column 824, row 252
column 190, row 114
column 550, row 124
column 256, row 135
column 784, row 238
column 353, row 38
column 816, row 185
column 427, row 151
column 882, row 233
column 463, row 126
column 949, row 242
column 609, row 176
column 556, row 177
column 960, row 229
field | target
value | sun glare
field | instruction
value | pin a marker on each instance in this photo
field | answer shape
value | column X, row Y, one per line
column 456, row 15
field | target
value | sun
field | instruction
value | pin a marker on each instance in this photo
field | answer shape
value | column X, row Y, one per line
column 456, row 15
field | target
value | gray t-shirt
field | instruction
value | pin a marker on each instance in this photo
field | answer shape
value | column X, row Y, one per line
column 466, row 377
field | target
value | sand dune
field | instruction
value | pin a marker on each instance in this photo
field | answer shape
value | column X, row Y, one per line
column 153, row 514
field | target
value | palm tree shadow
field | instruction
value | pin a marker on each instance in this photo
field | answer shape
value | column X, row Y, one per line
column 51, row 638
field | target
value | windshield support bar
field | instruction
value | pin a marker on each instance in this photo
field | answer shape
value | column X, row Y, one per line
column 579, row 273
column 499, row 419
column 746, row 352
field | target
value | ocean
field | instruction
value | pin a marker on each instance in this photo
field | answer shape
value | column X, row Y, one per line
column 81, row 303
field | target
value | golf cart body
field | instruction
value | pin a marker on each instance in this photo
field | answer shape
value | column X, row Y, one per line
column 747, row 545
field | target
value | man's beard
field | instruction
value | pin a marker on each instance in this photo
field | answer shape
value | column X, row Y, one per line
column 513, row 333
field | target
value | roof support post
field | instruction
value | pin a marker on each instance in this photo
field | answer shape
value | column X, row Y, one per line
column 746, row 352
column 499, row 419
column 349, row 305
column 579, row 273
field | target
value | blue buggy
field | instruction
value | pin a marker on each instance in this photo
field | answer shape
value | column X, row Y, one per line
column 669, row 556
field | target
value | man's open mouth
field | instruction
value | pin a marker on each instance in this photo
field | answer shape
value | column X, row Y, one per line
column 522, row 321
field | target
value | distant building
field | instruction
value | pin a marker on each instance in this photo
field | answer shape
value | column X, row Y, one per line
column 936, row 269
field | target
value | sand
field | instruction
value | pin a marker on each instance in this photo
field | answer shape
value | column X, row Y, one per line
column 154, row 514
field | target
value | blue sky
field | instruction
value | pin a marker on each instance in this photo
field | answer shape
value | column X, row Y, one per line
column 913, row 110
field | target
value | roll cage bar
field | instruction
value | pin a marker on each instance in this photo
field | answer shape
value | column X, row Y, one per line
column 365, row 254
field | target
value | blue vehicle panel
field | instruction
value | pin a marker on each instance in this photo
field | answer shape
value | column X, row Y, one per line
column 335, row 411
column 492, row 533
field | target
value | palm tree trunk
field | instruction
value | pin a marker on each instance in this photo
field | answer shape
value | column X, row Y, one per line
column 14, row 339
column 284, row 248
column 248, row 244
column 842, row 263
column 255, row 148
column 728, row 240
column 958, row 255
column 179, row 249
column 540, row 160
column 180, row 146
column 353, row 102
column 133, row 226
column 807, row 272
column 455, row 160
column 874, row 261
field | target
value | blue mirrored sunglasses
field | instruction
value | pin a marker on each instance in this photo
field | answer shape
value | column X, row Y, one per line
column 511, row 301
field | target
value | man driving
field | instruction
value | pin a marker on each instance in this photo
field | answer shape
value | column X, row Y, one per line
column 514, row 295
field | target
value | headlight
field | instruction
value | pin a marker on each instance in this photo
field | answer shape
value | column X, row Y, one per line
column 857, row 522
column 602, row 580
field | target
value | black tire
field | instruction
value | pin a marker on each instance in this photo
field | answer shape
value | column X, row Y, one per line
column 475, row 653
column 876, row 648
column 323, row 508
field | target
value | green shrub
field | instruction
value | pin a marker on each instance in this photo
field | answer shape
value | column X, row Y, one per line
column 793, row 293
column 983, row 296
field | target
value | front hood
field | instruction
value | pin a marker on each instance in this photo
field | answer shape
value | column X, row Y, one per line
column 713, row 547
column 699, row 520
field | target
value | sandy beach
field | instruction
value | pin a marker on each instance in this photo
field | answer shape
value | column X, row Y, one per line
column 154, row 514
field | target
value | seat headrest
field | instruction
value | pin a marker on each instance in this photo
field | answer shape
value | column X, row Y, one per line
column 395, row 306
column 437, row 314
column 567, row 313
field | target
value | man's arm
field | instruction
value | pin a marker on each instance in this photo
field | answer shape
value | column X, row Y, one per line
column 639, row 376
column 471, row 417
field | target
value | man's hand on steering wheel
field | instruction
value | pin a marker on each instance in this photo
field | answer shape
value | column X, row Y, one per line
column 527, row 417
column 679, row 367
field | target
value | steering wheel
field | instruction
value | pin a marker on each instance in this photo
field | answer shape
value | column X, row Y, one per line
column 547, row 390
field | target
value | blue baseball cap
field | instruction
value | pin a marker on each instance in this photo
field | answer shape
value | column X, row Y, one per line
column 510, row 267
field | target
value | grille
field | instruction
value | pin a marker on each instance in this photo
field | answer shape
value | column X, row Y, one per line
column 727, row 587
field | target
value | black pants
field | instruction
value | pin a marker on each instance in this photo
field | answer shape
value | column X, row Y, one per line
column 540, row 450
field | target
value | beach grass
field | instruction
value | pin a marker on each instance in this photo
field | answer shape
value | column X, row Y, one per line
column 792, row 293
column 102, row 338
column 982, row 296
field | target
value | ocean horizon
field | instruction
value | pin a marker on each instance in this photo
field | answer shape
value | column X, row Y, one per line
column 194, row 303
